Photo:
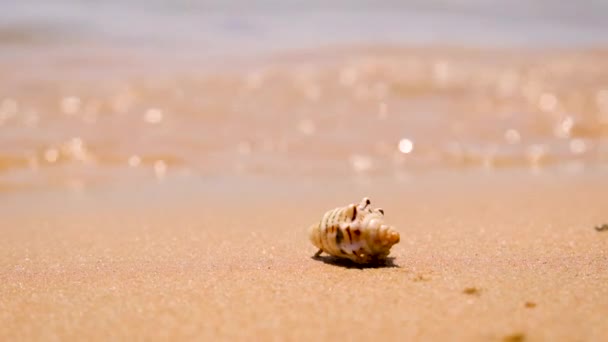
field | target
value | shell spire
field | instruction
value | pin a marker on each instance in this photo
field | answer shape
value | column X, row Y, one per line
column 356, row 232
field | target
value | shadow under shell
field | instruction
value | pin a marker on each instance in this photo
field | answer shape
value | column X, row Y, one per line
column 347, row 263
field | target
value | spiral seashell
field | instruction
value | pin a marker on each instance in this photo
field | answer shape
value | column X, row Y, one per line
column 355, row 232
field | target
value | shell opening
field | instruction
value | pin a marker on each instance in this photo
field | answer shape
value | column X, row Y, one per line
column 314, row 235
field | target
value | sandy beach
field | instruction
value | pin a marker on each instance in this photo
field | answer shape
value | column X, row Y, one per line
column 162, row 161
column 481, row 258
column 138, row 210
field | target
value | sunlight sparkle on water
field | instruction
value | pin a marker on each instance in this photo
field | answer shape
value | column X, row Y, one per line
column 348, row 76
column 153, row 116
column 75, row 147
column 535, row 153
column 602, row 98
column 8, row 109
column 312, row 91
column 441, row 72
column 562, row 129
column 134, row 161
column 70, row 105
column 512, row 136
column 51, row 155
column 406, row 145
column 547, row 102
column 361, row 163
column 508, row 83
column 160, row 169
column 602, row 105
column 254, row 80
column 578, row 146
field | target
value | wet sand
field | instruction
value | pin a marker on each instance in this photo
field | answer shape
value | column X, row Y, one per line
column 482, row 257
column 328, row 112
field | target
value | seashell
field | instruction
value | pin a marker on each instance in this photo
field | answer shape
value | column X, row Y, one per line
column 355, row 232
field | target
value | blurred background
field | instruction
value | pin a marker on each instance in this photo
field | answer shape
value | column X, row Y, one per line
column 102, row 93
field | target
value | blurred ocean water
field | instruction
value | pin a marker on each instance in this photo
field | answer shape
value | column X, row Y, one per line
column 212, row 27
column 93, row 91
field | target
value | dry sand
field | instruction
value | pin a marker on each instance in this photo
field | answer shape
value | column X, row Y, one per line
column 482, row 257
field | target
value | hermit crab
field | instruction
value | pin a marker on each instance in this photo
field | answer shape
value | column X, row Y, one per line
column 355, row 232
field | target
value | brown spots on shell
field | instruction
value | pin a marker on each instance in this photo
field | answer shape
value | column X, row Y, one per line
column 340, row 216
column 329, row 220
column 361, row 242
column 365, row 202
column 350, row 237
column 332, row 218
column 339, row 237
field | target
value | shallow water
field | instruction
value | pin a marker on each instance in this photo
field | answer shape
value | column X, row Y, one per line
column 90, row 95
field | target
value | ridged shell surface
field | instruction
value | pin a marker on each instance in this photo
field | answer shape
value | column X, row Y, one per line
column 355, row 232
